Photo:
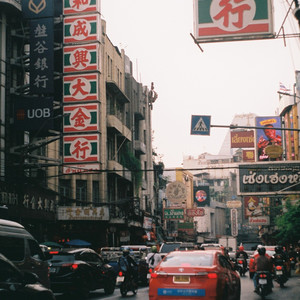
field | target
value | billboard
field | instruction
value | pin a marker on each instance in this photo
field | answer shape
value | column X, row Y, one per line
column 37, row 9
column 74, row 7
column 201, row 195
column 269, row 178
column 173, row 213
column 268, row 135
column 249, row 155
column 219, row 20
column 242, row 139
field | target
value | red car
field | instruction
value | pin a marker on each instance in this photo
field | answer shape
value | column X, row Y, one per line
column 189, row 274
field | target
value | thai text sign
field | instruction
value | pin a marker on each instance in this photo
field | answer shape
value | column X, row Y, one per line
column 82, row 28
column 242, row 139
column 81, row 58
column 269, row 178
column 173, row 213
column 81, row 148
column 234, row 222
column 83, row 213
column 195, row 212
column 41, row 56
column 77, row 7
column 263, row 220
column 81, row 118
column 81, row 88
column 219, row 20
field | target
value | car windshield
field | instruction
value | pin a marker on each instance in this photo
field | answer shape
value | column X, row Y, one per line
column 188, row 259
column 166, row 248
column 66, row 257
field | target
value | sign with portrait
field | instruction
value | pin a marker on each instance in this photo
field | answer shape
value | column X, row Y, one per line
column 201, row 196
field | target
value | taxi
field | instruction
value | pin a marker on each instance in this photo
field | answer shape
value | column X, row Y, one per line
column 199, row 273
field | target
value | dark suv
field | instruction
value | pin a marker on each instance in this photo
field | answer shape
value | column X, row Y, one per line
column 79, row 271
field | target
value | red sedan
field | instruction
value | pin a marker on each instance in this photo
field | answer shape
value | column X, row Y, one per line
column 188, row 274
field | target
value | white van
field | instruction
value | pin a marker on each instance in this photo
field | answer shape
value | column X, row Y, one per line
column 19, row 246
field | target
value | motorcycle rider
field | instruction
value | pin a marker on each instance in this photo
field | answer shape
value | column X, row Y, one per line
column 262, row 263
column 280, row 259
column 153, row 258
column 241, row 253
column 128, row 265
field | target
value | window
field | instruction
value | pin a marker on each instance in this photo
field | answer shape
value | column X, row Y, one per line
column 13, row 248
column 96, row 191
column 65, row 187
column 35, row 250
column 81, row 190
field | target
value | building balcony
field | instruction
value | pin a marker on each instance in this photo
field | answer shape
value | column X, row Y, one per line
column 115, row 123
column 139, row 147
column 116, row 168
column 113, row 87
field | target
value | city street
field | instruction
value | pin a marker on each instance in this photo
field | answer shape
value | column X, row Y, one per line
column 290, row 292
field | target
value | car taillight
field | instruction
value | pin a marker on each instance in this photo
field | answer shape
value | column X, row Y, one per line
column 240, row 261
column 154, row 275
column 150, row 270
column 71, row 266
column 74, row 266
column 120, row 274
column 212, row 275
column 279, row 268
column 53, row 252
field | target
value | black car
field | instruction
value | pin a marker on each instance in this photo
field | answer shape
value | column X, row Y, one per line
column 79, row 271
column 17, row 285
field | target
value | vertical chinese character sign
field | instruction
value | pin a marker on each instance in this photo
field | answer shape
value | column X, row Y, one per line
column 81, row 96
column 219, row 20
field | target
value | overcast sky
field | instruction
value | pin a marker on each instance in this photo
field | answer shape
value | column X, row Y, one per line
column 226, row 79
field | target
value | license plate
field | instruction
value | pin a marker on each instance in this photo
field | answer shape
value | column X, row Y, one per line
column 262, row 281
column 52, row 270
column 181, row 279
column 120, row 278
column 148, row 276
column 278, row 272
column 181, row 292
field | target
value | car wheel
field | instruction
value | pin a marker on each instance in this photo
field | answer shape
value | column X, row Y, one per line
column 109, row 287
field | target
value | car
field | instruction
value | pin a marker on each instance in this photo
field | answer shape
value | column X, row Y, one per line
column 167, row 247
column 79, row 271
column 17, row 285
column 190, row 274
column 19, row 246
column 270, row 251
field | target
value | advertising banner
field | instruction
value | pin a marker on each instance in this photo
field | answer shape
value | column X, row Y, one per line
column 267, row 136
column 176, row 192
column 201, row 195
column 195, row 212
column 41, row 56
column 83, row 213
column 81, row 88
column 269, row 178
column 218, row 20
column 251, row 206
column 234, row 221
column 74, row 7
column 242, row 139
column 34, row 114
column 33, row 9
column 81, row 58
column 81, row 118
column 262, row 220
column 82, row 28
column 81, row 148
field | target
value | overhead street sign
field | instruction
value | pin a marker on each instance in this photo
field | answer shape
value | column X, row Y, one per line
column 200, row 125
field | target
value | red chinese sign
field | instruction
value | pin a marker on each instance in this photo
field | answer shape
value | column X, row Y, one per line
column 195, row 212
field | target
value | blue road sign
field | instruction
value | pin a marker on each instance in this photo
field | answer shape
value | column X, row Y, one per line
column 200, row 125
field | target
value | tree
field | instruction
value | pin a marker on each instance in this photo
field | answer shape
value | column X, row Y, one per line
column 289, row 224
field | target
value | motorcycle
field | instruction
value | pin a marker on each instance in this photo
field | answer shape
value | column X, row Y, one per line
column 293, row 262
column 280, row 275
column 239, row 266
column 263, row 285
column 127, row 283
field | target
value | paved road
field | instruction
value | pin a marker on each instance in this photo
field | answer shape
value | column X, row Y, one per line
column 290, row 292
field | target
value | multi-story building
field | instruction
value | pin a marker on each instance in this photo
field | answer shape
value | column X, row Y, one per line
column 106, row 201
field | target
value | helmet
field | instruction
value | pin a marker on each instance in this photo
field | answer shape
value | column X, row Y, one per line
column 261, row 250
column 241, row 248
column 154, row 249
column 126, row 251
column 278, row 249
